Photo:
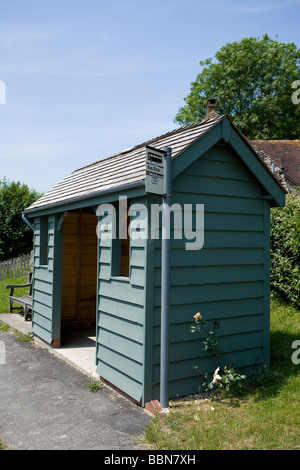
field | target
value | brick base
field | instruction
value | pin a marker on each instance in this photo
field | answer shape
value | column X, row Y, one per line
column 56, row 343
column 153, row 407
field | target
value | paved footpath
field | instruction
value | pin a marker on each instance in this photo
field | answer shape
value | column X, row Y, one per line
column 45, row 404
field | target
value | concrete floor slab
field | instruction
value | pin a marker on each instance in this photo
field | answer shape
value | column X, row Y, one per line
column 78, row 348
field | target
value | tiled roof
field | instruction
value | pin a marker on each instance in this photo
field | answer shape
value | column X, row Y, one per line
column 126, row 168
column 274, row 166
column 286, row 154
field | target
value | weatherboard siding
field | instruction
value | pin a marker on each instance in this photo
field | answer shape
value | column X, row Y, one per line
column 120, row 319
column 45, row 304
column 225, row 280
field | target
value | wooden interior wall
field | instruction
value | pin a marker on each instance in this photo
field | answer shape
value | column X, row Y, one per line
column 79, row 267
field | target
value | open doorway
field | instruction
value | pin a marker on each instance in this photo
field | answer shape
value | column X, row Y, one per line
column 79, row 281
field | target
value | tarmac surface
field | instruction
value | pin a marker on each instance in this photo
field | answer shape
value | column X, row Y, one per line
column 45, row 404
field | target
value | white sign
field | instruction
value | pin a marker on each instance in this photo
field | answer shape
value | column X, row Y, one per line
column 154, row 171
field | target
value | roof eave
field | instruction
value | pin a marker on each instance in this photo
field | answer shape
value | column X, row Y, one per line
column 80, row 200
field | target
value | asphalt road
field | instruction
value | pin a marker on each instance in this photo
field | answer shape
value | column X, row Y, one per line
column 45, row 404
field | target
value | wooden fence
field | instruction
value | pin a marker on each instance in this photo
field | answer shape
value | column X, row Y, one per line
column 13, row 268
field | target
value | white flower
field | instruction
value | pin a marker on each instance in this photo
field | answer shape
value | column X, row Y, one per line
column 216, row 376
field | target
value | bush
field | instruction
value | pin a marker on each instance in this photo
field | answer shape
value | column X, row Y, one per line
column 16, row 238
column 285, row 250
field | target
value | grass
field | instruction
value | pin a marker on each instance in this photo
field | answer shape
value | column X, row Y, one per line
column 3, row 446
column 4, row 293
column 4, row 306
column 21, row 337
column 4, row 326
column 94, row 385
column 266, row 417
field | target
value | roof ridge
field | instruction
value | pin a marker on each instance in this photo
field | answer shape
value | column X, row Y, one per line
column 276, row 140
column 144, row 144
column 128, row 169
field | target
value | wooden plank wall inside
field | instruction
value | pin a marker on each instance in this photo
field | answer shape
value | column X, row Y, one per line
column 79, row 270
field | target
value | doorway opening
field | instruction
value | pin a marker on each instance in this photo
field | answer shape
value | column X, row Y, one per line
column 79, row 281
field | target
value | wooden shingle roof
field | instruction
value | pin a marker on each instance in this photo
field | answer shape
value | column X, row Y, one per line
column 123, row 169
column 127, row 168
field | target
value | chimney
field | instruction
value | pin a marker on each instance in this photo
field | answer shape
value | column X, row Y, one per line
column 211, row 109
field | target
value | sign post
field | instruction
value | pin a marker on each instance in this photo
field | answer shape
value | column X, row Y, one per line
column 165, row 281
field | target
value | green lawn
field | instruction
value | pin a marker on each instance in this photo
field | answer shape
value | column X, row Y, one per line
column 4, row 293
column 264, row 418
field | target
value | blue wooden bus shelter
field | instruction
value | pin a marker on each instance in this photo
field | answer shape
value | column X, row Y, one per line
column 113, row 284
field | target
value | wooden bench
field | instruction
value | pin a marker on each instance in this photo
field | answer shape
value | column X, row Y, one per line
column 25, row 302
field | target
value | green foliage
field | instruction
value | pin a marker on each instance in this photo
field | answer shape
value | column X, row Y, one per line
column 211, row 341
column 4, row 293
column 3, row 446
column 252, row 80
column 247, row 420
column 15, row 236
column 94, row 385
column 285, row 250
column 23, row 338
column 231, row 380
column 4, row 326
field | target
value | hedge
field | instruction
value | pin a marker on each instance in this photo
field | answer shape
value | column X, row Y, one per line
column 285, row 250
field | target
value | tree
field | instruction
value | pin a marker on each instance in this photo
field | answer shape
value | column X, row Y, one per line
column 15, row 236
column 252, row 80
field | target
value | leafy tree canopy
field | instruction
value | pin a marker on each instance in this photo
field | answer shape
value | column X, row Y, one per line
column 252, row 81
column 15, row 235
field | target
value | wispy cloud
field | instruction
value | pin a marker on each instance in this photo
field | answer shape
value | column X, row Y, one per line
column 261, row 8
column 250, row 8
column 96, row 66
column 13, row 35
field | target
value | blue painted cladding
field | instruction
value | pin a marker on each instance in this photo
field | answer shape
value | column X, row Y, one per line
column 43, row 280
column 120, row 320
column 225, row 280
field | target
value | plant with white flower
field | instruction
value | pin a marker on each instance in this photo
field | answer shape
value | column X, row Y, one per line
column 216, row 376
column 230, row 380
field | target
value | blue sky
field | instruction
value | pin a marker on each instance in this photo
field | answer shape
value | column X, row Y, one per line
column 88, row 78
